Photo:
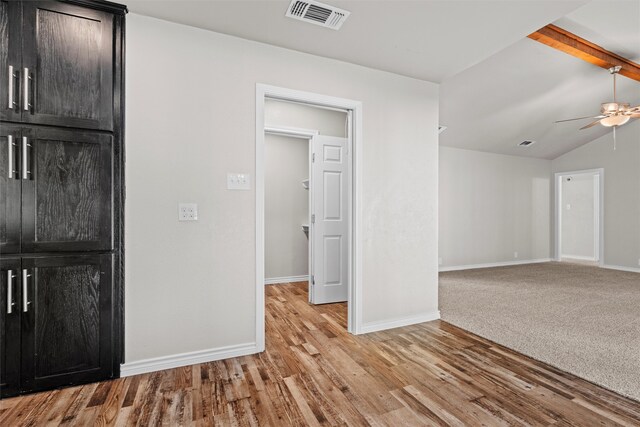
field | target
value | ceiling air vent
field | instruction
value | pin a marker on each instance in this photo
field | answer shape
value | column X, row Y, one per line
column 317, row 13
column 526, row 143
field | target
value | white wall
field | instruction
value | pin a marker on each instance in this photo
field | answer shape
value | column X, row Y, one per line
column 493, row 205
column 578, row 217
column 190, row 286
column 621, row 190
column 286, row 206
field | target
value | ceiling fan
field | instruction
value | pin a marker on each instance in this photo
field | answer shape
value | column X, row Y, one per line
column 612, row 114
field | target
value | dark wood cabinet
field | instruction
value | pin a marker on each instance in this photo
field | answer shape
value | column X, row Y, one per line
column 67, row 198
column 10, row 311
column 56, row 190
column 61, row 193
column 10, row 189
column 67, row 325
column 10, row 60
column 67, row 64
column 59, row 59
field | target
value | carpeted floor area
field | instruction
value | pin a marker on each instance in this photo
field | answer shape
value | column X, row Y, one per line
column 582, row 319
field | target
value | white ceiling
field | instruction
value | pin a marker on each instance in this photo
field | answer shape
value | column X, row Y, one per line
column 518, row 93
column 498, row 87
column 425, row 39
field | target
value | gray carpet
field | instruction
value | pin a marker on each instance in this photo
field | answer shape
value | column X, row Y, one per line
column 579, row 318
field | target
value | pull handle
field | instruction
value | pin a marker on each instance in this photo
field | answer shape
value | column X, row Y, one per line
column 12, row 102
column 27, row 79
column 25, row 290
column 12, row 157
column 25, row 158
column 10, row 302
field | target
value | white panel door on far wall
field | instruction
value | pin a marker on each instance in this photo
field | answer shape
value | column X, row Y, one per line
column 330, row 220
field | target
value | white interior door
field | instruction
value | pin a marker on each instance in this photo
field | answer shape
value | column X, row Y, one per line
column 329, row 220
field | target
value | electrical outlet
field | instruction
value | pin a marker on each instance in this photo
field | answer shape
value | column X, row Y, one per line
column 439, row 261
column 238, row 181
column 187, row 212
column 515, row 254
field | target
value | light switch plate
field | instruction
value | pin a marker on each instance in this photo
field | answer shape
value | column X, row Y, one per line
column 187, row 212
column 238, row 181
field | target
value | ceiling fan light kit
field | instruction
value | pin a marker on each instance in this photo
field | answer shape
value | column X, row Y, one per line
column 612, row 114
column 617, row 120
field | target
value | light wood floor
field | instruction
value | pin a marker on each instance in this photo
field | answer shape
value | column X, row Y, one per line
column 314, row 373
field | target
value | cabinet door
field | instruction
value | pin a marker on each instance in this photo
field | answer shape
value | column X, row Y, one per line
column 10, row 310
column 10, row 183
column 67, row 198
column 68, row 59
column 67, row 327
column 10, row 60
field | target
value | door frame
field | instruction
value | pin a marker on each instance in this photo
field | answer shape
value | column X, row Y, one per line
column 598, row 211
column 263, row 91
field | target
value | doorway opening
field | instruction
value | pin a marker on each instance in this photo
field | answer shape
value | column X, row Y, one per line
column 307, row 198
column 579, row 213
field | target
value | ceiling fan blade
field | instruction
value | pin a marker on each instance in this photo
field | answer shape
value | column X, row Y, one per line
column 580, row 118
column 590, row 124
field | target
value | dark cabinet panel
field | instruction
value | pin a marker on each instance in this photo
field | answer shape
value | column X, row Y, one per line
column 67, row 202
column 10, row 60
column 10, row 310
column 10, row 187
column 68, row 52
column 67, row 328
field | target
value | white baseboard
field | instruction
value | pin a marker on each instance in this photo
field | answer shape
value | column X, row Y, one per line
column 578, row 257
column 494, row 264
column 185, row 359
column 620, row 268
column 398, row 323
column 290, row 279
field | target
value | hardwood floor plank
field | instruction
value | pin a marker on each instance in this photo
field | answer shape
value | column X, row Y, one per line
column 313, row 373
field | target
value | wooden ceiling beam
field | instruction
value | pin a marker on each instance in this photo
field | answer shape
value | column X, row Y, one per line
column 567, row 42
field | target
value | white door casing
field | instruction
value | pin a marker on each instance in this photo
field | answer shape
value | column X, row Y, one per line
column 329, row 219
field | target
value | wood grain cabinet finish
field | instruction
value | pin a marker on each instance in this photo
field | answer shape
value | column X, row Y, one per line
column 10, row 296
column 61, row 193
column 62, row 61
column 68, row 51
column 10, row 188
column 67, row 198
column 67, row 326
column 10, row 60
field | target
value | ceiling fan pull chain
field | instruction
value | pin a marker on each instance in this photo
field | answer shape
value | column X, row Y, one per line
column 614, row 138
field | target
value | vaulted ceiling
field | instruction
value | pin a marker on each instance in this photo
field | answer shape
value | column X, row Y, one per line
column 518, row 93
column 498, row 87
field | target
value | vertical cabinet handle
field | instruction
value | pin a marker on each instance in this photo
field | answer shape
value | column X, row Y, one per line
column 25, row 158
column 27, row 78
column 12, row 157
column 25, row 290
column 10, row 302
column 12, row 94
